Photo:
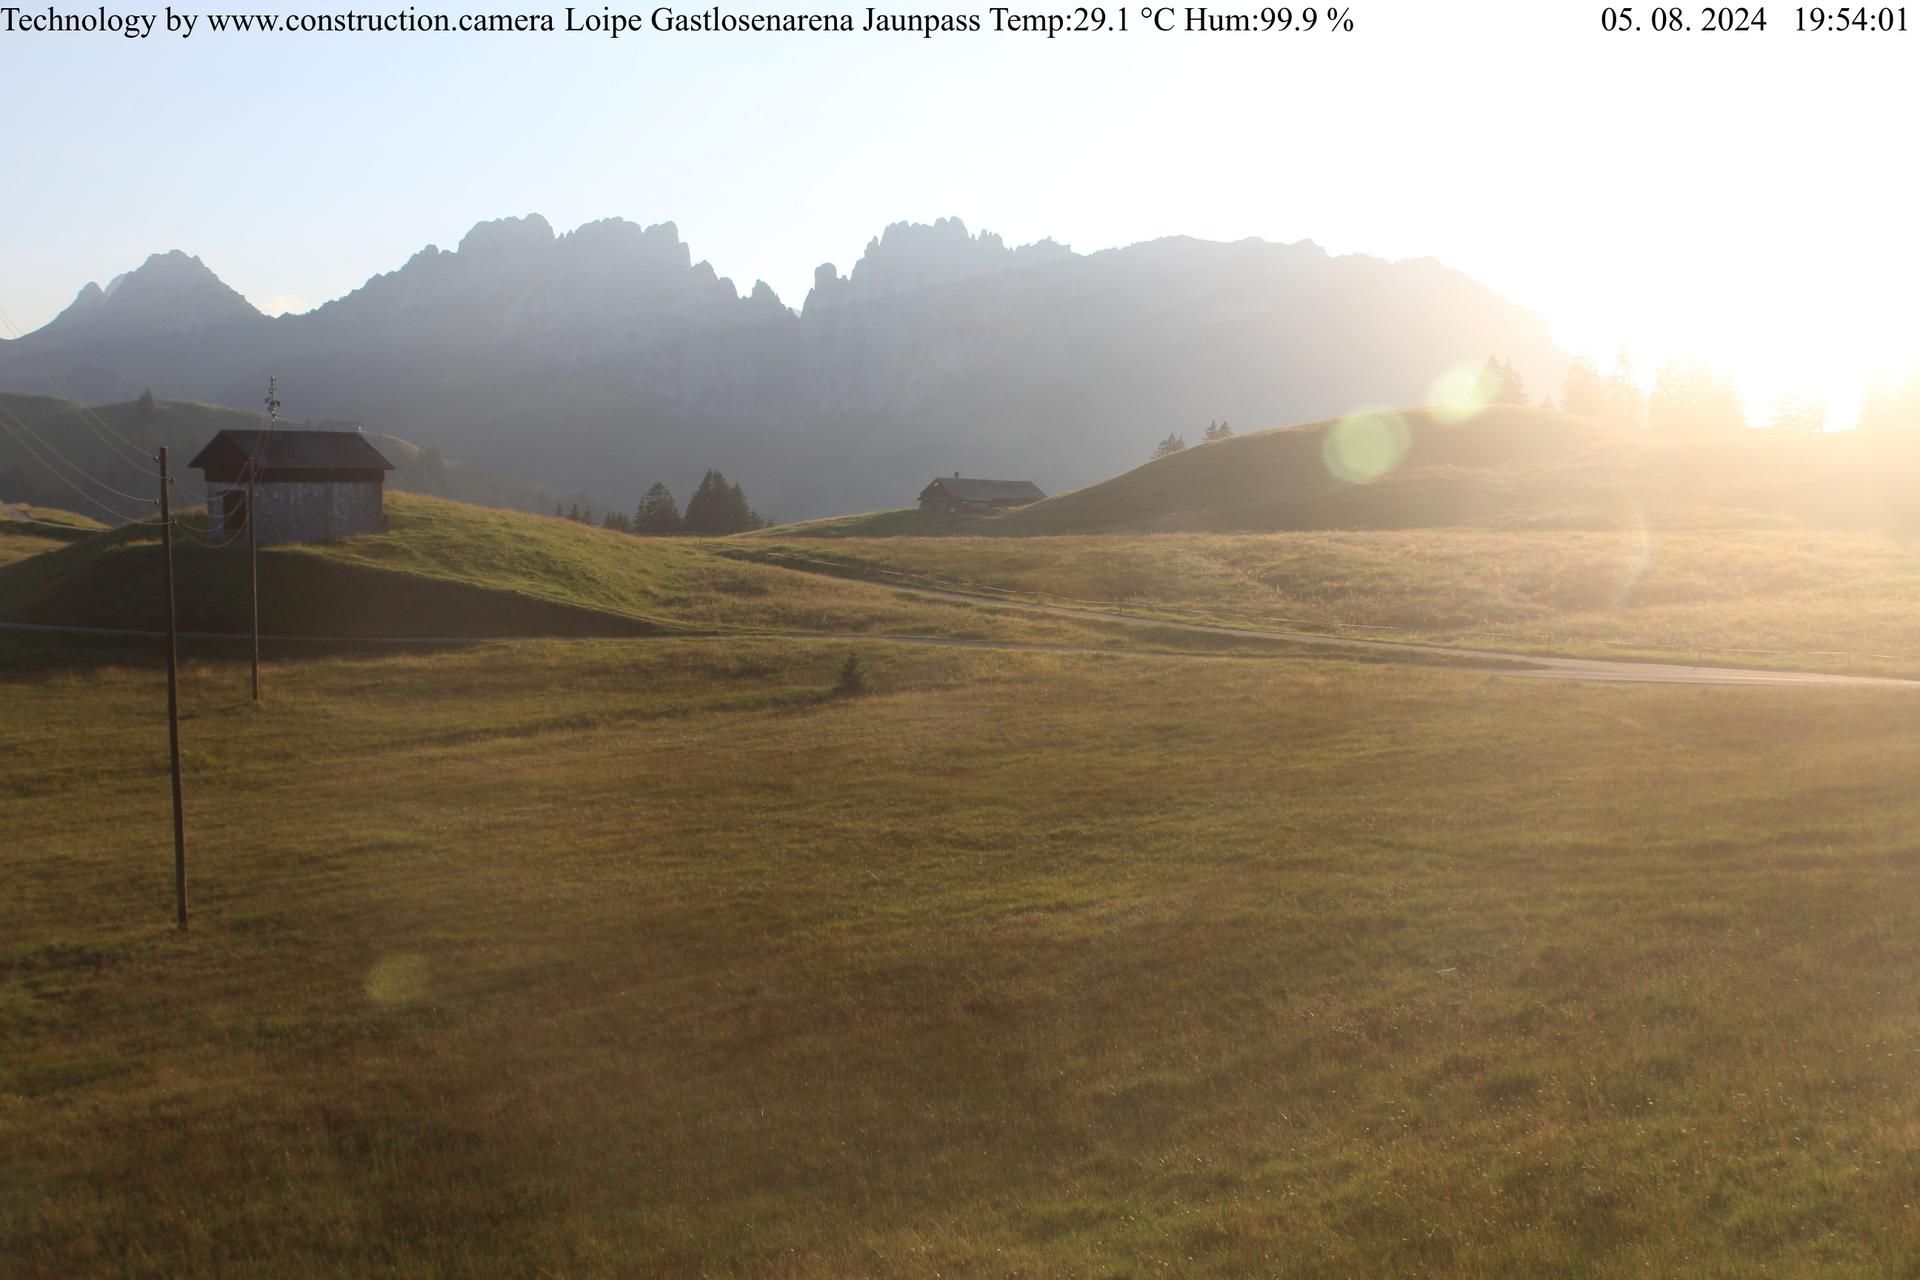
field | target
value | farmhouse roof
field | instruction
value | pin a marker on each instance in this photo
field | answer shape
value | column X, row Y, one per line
column 293, row 451
column 967, row 490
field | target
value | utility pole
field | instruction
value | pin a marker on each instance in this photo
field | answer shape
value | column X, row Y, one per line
column 253, row 530
column 173, row 700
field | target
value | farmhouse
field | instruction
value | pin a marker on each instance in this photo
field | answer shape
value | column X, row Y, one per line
column 310, row 486
column 977, row 496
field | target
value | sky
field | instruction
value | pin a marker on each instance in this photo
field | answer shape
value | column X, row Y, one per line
column 1740, row 198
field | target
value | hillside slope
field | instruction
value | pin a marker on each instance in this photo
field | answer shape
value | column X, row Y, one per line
column 43, row 439
column 114, row 580
column 448, row 569
column 1507, row 468
column 27, row 530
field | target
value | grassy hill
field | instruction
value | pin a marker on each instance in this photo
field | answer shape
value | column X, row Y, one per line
column 1506, row 468
column 27, row 529
column 107, row 440
column 1518, row 529
column 455, row 570
column 65, row 525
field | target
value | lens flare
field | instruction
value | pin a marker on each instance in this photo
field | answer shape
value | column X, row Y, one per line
column 398, row 979
column 1365, row 445
column 1460, row 393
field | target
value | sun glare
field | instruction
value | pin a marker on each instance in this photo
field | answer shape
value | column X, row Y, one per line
column 1460, row 393
column 1365, row 445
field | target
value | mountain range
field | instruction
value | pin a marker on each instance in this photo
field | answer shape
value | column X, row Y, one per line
column 603, row 359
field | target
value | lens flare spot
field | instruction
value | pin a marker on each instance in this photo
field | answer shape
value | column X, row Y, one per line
column 398, row 979
column 1461, row 393
column 1365, row 445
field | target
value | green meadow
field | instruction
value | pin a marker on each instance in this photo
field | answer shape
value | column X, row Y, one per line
column 1517, row 528
column 449, row 570
column 1823, row 599
column 616, row 957
column 27, row 530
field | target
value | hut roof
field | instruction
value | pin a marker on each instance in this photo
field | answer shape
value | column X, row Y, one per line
column 292, row 451
column 967, row 490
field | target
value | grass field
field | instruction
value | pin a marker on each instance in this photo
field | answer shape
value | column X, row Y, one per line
column 20, row 546
column 447, row 569
column 1517, row 529
column 1557, row 535
column 27, row 530
column 1817, row 598
column 616, row 957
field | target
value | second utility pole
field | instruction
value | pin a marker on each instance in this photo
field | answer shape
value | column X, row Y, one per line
column 173, row 700
column 253, row 528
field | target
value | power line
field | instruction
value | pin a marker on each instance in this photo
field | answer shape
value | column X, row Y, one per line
column 119, row 516
column 106, row 432
column 246, row 478
column 205, row 540
column 127, row 449
column 27, row 444
column 74, row 466
column 87, row 413
column 121, row 448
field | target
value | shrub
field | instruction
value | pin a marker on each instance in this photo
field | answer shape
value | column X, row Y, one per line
column 853, row 677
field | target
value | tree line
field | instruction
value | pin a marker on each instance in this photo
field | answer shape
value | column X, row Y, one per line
column 1688, row 397
column 718, row 506
column 1175, row 442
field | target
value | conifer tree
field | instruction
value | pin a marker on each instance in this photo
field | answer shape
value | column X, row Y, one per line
column 658, row 513
column 1584, row 392
column 1690, row 398
column 719, row 507
column 1626, row 403
column 1502, row 382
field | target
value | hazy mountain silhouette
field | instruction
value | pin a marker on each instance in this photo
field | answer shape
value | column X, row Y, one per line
column 607, row 358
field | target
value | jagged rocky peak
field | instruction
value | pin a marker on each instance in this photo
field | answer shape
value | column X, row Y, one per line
column 918, row 255
column 829, row 290
column 617, row 242
column 582, row 278
column 91, row 295
column 914, row 255
column 763, row 298
column 169, row 291
column 507, row 237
